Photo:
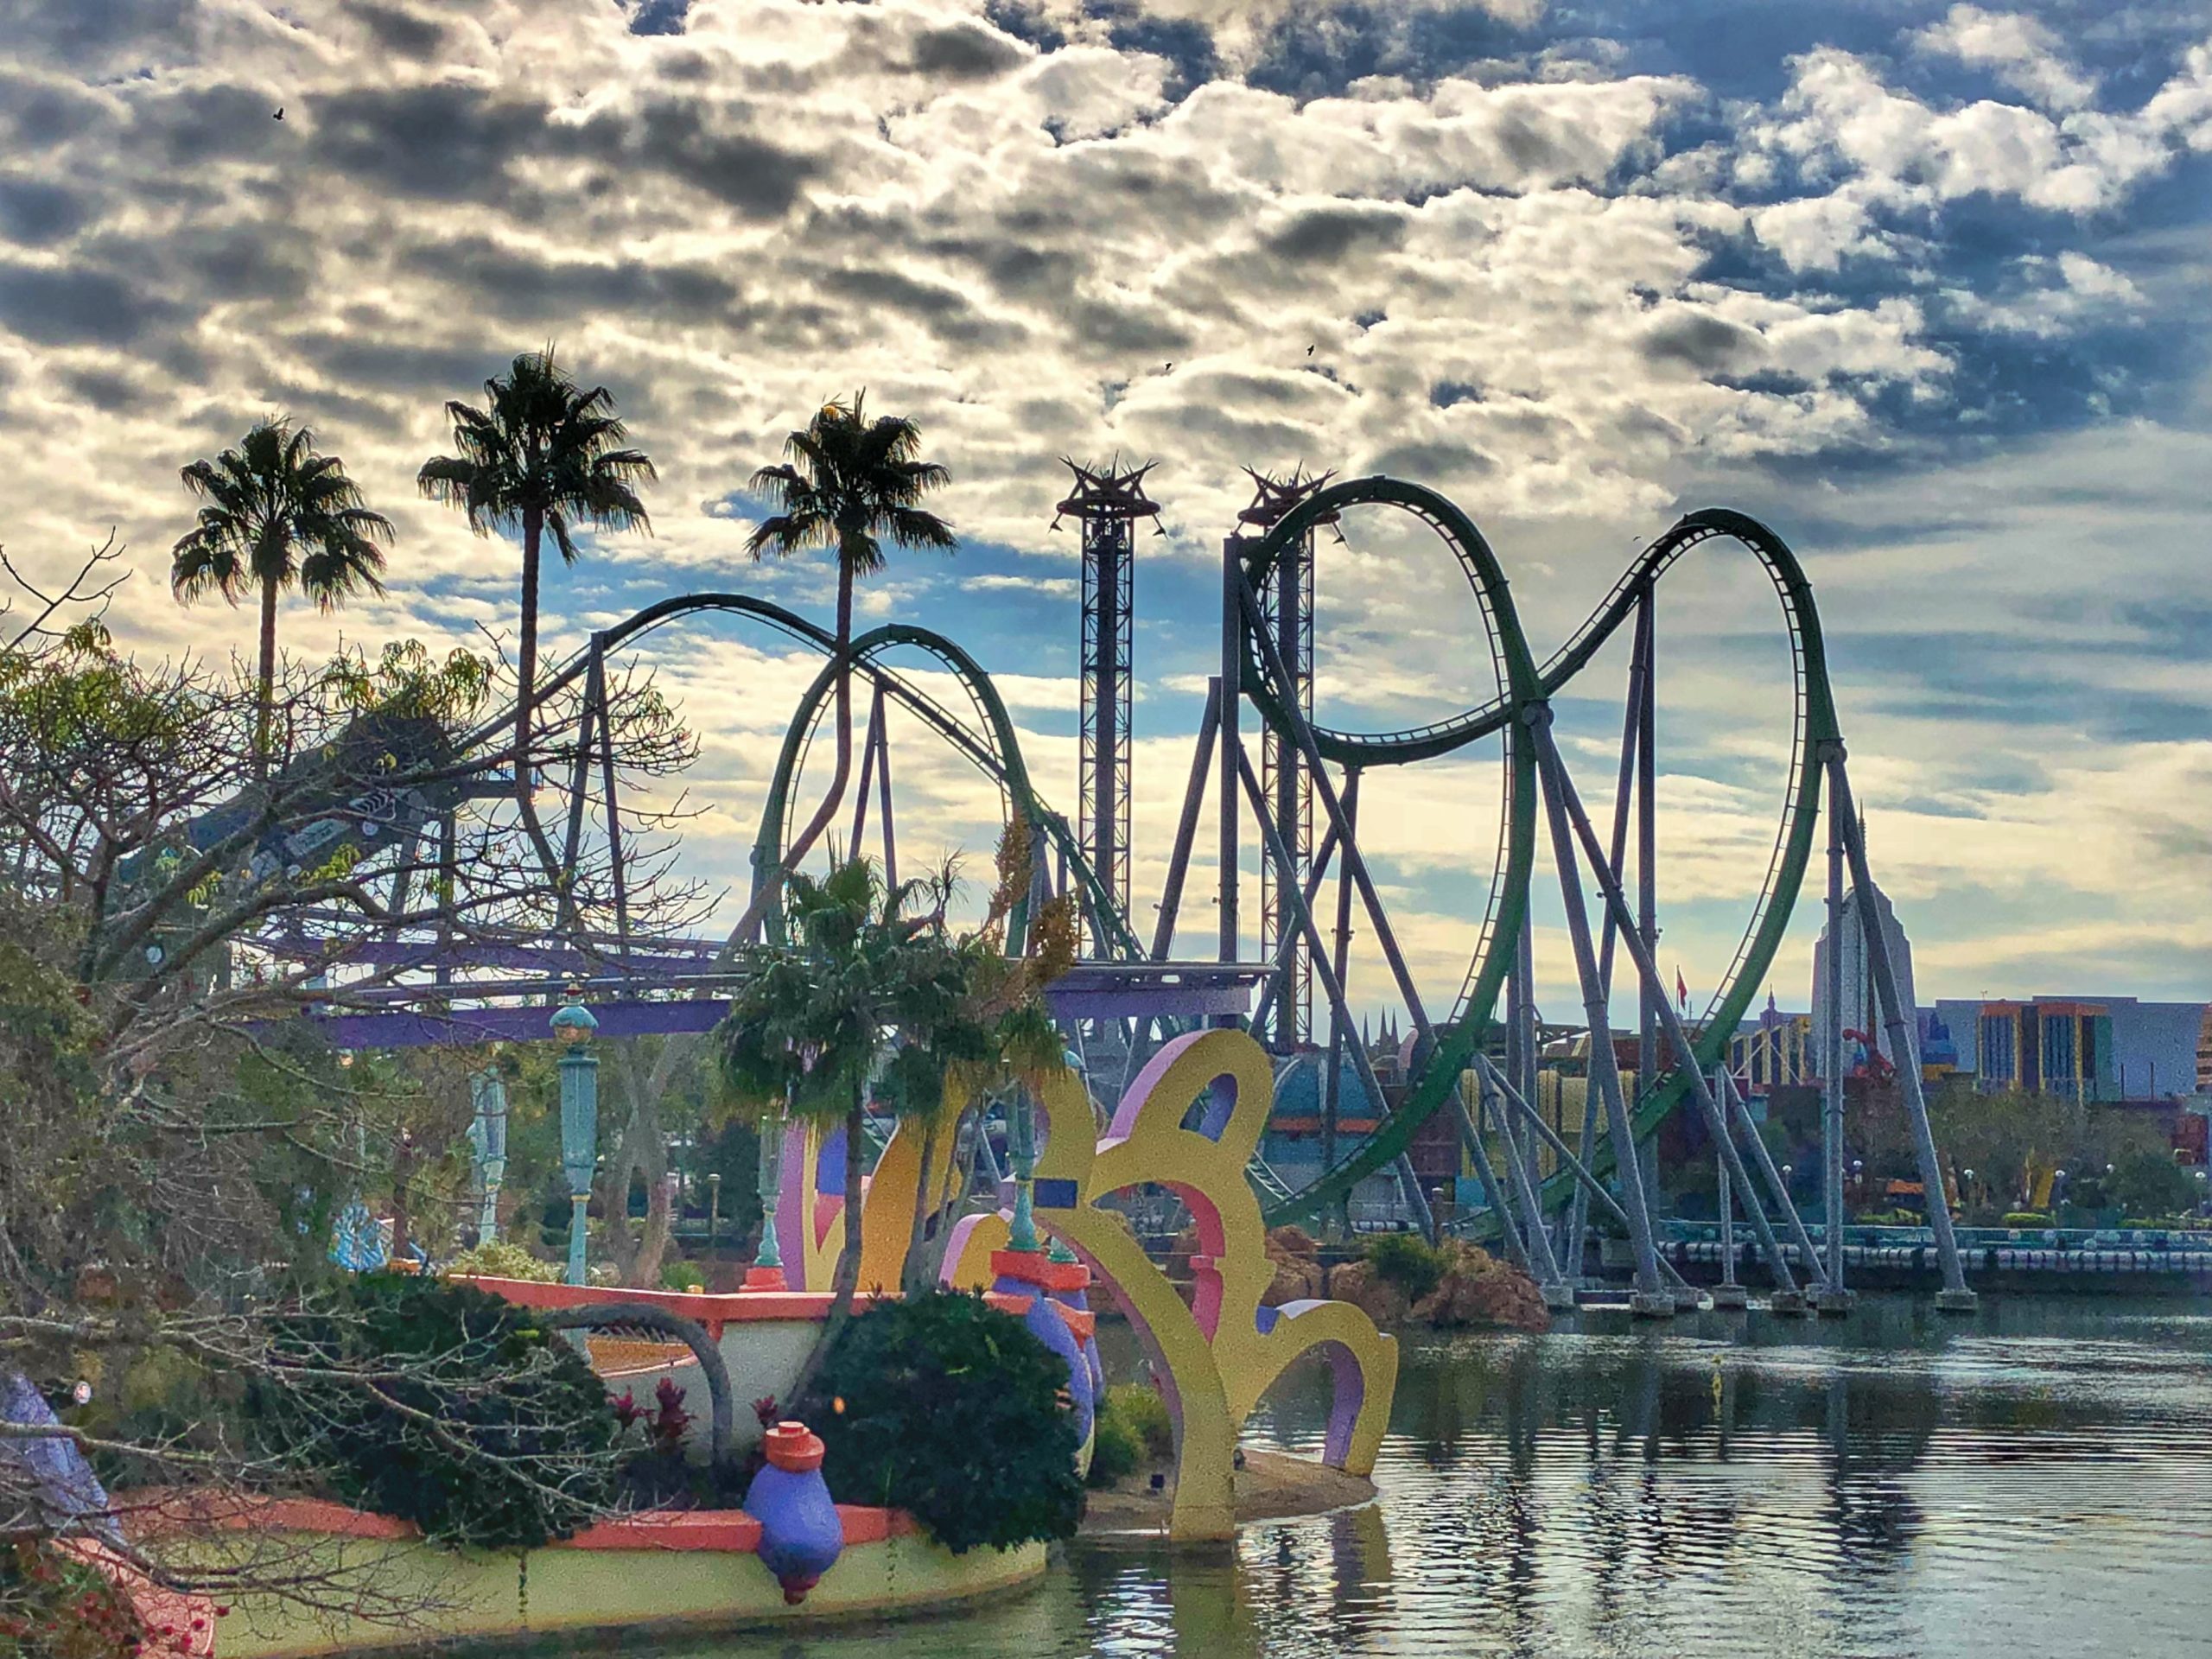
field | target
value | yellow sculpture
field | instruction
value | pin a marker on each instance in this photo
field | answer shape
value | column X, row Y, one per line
column 1220, row 1354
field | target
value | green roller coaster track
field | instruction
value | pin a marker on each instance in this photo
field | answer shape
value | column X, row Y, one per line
column 991, row 744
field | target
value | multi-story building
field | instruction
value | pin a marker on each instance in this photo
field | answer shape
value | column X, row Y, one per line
column 1772, row 1052
column 1857, row 1006
column 2100, row 1048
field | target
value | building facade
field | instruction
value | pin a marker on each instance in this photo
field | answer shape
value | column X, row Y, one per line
column 2091, row 1049
column 1857, row 1008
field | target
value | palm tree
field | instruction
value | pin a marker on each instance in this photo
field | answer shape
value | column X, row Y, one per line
column 852, row 484
column 266, row 504
column 541, row 456
column 870, row 984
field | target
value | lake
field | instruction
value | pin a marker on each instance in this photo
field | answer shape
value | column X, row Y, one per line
column 2034, row 1479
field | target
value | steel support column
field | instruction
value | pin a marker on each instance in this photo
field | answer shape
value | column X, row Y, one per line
column 1904, row 1047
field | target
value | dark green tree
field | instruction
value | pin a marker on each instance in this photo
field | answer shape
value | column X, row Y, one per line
column 540, row 457
column 277, row 514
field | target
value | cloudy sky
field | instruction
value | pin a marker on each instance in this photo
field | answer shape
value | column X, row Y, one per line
column 1924, row 287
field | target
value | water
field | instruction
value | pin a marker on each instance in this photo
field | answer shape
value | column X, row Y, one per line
column 2033, row 1480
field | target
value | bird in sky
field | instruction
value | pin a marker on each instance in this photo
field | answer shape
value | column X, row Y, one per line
column 279, row 116
column 1309, row 351
column 1168, row 368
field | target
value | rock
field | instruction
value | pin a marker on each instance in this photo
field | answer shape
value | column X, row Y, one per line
column 1297, row 1264
column 1479, row 1289
column 1358, row 1283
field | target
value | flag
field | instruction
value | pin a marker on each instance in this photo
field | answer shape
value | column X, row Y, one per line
column 1681, row 992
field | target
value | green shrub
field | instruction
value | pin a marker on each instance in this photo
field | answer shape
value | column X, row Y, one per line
column 1115, row 1451
column 2151, row 1184
column 518, row 1444
column 2026, row 1218
column 680, row 1275
column 1145, row 1414
column 500, row 1260
column 56, row 1606
column 1405, row 1260
column 950, row 1410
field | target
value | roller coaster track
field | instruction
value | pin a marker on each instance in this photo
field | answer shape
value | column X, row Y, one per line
column 1523, row 688
column 985, row 735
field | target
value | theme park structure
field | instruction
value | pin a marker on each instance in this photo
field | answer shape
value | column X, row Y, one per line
column 1470, row 1060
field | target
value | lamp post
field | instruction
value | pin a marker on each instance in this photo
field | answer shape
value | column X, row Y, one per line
column 714, row 1204
column 1021, row 1150
column 767, row 1270
column 573, row 1025
column 487, row 1134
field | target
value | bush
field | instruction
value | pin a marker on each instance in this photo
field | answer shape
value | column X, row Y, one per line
column 1115, row 1452
column 500, row 1260
column 519, row 1449
column 2151, row 1184
column 680, row 1275
column 1405, row 1260
column 55, row 1605
column 2026, row 1218
column 1146, row 1415
column 950, row 1410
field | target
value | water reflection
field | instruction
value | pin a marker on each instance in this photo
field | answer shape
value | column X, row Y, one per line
column 2027, row 1481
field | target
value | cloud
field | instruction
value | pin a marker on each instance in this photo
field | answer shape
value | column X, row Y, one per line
column 2023, row 52
column 1575, row 293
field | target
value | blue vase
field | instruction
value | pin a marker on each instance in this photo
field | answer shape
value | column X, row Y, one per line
column 801, row 1536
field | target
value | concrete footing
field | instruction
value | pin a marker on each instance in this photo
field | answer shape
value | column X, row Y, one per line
column 1956, row 1301
column 1789, row 1302
column 1834, row 1303
column 1558, row 1297
column 1731, row 1298
column 1645, row 1305
column 1689, row 1301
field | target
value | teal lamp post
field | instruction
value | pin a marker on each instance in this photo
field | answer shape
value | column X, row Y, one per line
column 767, row 1270
column 1021, row 1149
column 573, row 1025
column 487, row 1135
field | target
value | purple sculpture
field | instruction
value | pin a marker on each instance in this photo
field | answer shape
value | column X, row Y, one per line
column 801, row 1536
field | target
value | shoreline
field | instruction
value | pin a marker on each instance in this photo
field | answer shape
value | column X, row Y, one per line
column 1271, row 1486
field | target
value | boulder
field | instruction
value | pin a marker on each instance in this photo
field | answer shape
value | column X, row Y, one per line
column 1296, row 1262
column 1478, row 1289
column 1358, row 1283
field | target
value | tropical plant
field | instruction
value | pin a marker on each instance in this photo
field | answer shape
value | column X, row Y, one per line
column 852, row 484
column 542, row 455
column 436, row 1403
column 866, row 970
column 277, row 514
column 944, row 1407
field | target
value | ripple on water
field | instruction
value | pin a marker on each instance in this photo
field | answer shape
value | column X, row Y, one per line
column 2033, row 1481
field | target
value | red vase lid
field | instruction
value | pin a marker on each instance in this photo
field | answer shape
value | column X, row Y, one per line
column 793, row 1447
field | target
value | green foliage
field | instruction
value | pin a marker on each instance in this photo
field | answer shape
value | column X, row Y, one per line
column 268, row 501
column 55, row 1606
column 1406, row 1260
column 2026, row 1218
column 2148, row 1184
column 945, row 1408
column 863, row 961
column 680, row 1275
column 850, row 483
column 543, row 449
column 1115, row 1452
column 478, row 1425
column 501, row 1260
column 1146, row 1415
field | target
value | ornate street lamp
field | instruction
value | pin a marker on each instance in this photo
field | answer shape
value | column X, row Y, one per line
column 1021, row 1150
column 573, row 1025
column 487, row 1134
column 768, row 1273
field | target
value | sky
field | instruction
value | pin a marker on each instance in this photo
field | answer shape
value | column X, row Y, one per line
column 1924, row 287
